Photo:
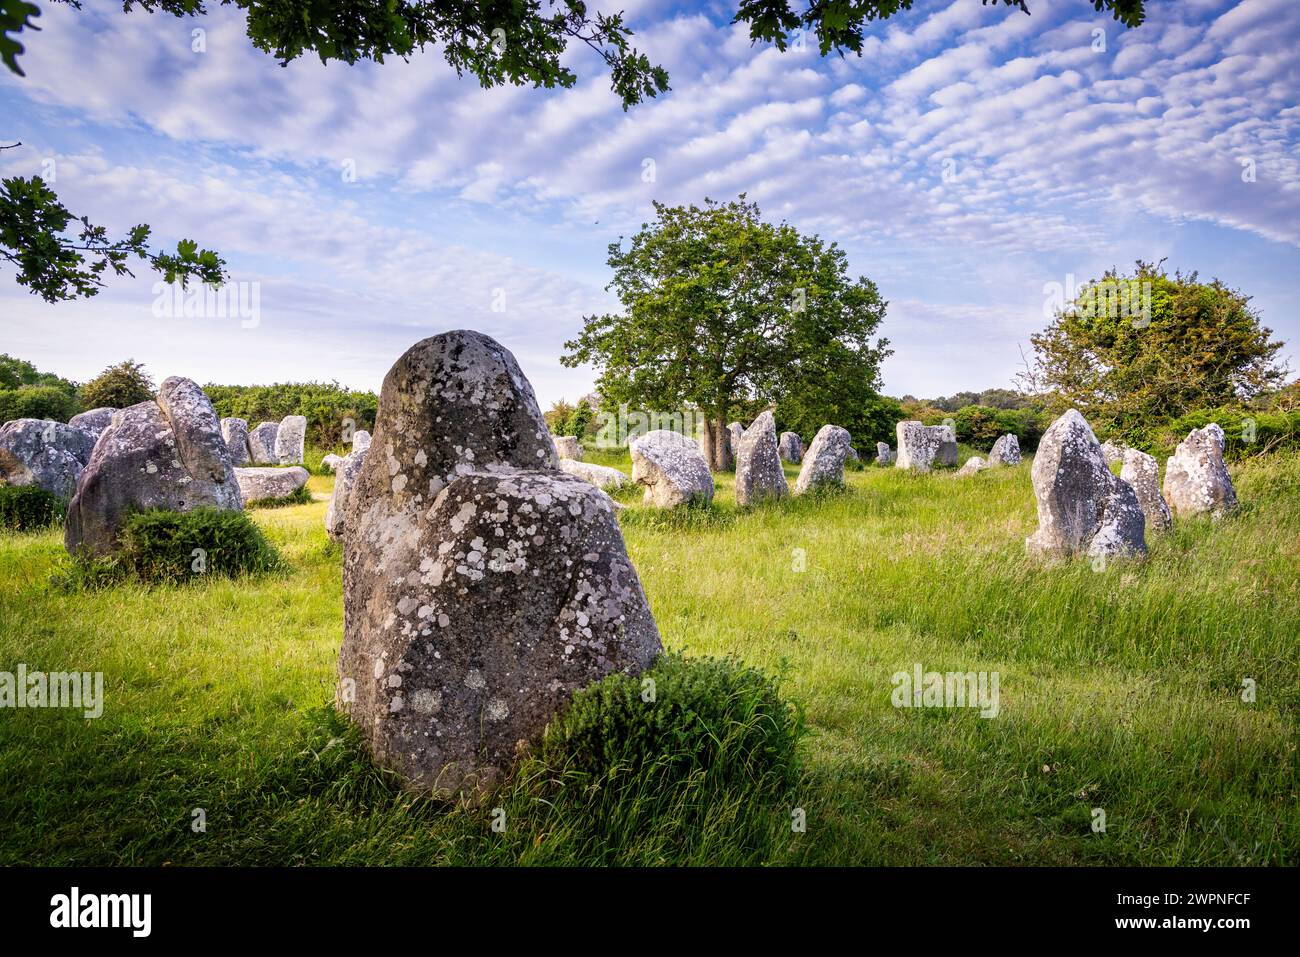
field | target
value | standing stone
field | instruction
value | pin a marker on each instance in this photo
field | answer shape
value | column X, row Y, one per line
column 268, row 483
column 759, row 477
column 482, row 586
column 1114, row 451
column 884, row 454
column 94, row 421
column 1083, row 508
column 791, row 447
column 261, row 444
column 1196, row 479
column 947, row 452
column 332, row 461
column 235, row 432
column 1006, row 451
column 672, row 469
column 601, row 476
column 734, row 431
column 345, row 480
column 291, row 439
column 1142, row 472
column 973, row 464
column 823, row 465
column 167, row 453
column 360, row 440
column 568, row 447
column 919, row 445
column 45, row 453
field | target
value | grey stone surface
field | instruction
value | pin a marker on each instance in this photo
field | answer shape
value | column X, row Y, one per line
column 759, row 477
column 291, row 440
column 823, row 464
column 360, row 440
column 1006, row 451
column 791, row 447
column 568, row 447
column 601, row 476
column 332, row 461
column 1083, row 507
column 1142, row 472
column 973, row 464
column 1196, row 478
column 672, row 469
column 921, row 447
column 268, row 483
column 167, row 453
column 94, row 421
column 45, row 453
column 482, row 586
column 261, row 444
column 235, row 434
column 345, row 478
column 884, row 454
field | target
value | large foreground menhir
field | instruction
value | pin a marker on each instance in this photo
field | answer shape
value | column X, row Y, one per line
column 482, row 585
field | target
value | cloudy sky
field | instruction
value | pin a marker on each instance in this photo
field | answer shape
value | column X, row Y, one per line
column 969, row 159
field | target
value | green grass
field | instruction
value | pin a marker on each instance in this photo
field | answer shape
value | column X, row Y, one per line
column 1119, row 690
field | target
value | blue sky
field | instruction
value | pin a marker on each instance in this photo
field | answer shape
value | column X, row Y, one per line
column 1067, row 150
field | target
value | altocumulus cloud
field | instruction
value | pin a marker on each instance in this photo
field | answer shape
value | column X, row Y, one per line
column 970, row 156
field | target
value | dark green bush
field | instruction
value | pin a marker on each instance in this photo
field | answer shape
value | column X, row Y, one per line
column 27, row 507
column 1246, row 432
column 711, row 717
column 164, row 546
column 333, row 411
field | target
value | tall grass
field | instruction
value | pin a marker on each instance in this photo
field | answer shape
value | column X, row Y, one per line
column 1120, row 690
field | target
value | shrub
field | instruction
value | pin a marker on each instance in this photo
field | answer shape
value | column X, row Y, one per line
column 158, row 545
column 38, row 402
column 1246, row 432
column 27, row 507
column 118, row 386
column 328, row 406
column 300, row 496
column 711, row 717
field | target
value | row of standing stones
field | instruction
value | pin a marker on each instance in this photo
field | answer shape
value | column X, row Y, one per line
column 485, row 576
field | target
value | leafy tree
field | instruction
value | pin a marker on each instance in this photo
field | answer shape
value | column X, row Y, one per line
column 118, row 386
column 27, row 393
column 720, row 308
column 58, row 264
column 557, row 417
column 1132, row 351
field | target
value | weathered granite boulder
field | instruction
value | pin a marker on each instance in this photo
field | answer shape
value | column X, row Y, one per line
column 921, row 447
column 1083, row 508
column 1113, row 451
column 482, row 586
column 851, row 455
column 344, row 481
column 261, row 444
column 167, row 453
column 568, row 447
column 267, row 484
column 791, row 447
column 601, row 476
column 884, row 454
column 1006, row 451
column 973, row 464
column 1196, row 479
column 235, row 433
column 94, row 421
column 759, row 477
column 1142, row 472
column 823, row 464
column 734, row 431
column 291, row 439
column 45, row 453
column 360, row 440
column 332, row 461
column 672, row 469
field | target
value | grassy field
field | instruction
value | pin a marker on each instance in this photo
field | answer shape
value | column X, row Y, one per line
column 1119, row 690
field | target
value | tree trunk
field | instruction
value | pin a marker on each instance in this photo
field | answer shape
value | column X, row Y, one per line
column 717, row 444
